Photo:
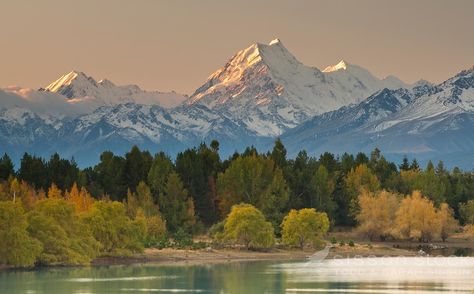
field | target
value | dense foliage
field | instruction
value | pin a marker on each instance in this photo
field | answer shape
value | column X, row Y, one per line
column 304, row 227
column 53, row 212
column 246, row 225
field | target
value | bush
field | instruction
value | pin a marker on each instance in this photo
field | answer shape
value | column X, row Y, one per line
column 182, row 239
column 65, row 238
column 351, row 243
column 216, row 231
column 333, row 240
column 341, row 243
column 304, row 227
column 247, row 226
column 115, row 231
column 17, row 248
column 199, row 245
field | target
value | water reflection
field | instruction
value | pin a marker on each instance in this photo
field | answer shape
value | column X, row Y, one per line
column 414, row 275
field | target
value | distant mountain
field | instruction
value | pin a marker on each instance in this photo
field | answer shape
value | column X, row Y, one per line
column 428, row 121
column 81, row 88
column 266, row 88
column 262, row 92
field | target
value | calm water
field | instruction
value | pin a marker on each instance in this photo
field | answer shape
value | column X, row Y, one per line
column 381, row 275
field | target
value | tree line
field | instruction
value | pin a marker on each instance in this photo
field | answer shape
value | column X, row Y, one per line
column 70, row 215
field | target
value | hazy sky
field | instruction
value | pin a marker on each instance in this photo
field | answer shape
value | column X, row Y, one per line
column 175, row 45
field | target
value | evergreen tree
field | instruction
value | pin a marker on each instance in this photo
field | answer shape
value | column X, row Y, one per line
column 198, row 170
column 6, row 167
column 361, row 158
column 254, row 180
column 176, row 205
column 159, row 172
column 33, row 170
column 278, row 153
column 405, row 165
column 323, row 188
column 414, row 165
column 137, row 166
column 329, row 161
column 110, row 175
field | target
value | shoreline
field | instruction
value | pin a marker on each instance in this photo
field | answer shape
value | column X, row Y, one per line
column 184, row 257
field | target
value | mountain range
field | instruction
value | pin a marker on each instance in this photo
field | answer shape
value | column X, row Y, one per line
column 261, row 93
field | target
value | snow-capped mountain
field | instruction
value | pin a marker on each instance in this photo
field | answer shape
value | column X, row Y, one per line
column 262, row 92
column 83, row 89
column 266, row 88
column 428, row 121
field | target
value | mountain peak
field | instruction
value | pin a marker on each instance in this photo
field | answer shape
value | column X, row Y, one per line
column 342, row 65
column 274, row 42
column 68, row 79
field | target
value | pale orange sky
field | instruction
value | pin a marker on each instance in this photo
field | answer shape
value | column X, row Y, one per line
column 175, row 45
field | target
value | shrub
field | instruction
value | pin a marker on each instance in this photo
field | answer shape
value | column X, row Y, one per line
column 247, row 226
column 304, row 227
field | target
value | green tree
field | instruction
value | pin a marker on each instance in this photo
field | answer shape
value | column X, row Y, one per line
column 160, row 170
column 198, row 168
column 6, row 167
column 246, row 225
column 137, row 167
column 254, row 180
column 116, row 233
column 17, row 248
column 323, row 189
column 405, row 165
column 431, row 185
column 304, row 227
column 64, row 237
column 141, row 199
column 357, row 180
column 176, row 205
column 278, row 153
column 467, row 212
column 110, row 175
column 414, row 165
column 33, row 171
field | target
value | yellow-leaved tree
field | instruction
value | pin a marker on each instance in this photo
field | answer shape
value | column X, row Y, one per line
column 81, row 199
column 246, row 225
column 304, row 227
column 417, row 218
column 447, row 223
column 358, row 180
column 377, row 214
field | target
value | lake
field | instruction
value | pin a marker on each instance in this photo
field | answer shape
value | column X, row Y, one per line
column 363, row 275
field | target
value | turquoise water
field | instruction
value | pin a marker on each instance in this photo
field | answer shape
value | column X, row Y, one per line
column 377, row 275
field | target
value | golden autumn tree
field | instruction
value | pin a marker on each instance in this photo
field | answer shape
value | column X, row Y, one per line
column 81, row 199
column 54, row 192
column 358, row 180
column 377, row 214
column 448, row 224
column 417, row 218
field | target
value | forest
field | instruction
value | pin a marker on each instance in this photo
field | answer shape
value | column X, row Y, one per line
column 53, row 212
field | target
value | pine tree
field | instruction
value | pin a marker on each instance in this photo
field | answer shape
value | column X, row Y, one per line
column 6, row 167
column 278, row 153
column 159, row 173
column 175, row 205
column 405, row 165
column 137, row 166
column 414, row 165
